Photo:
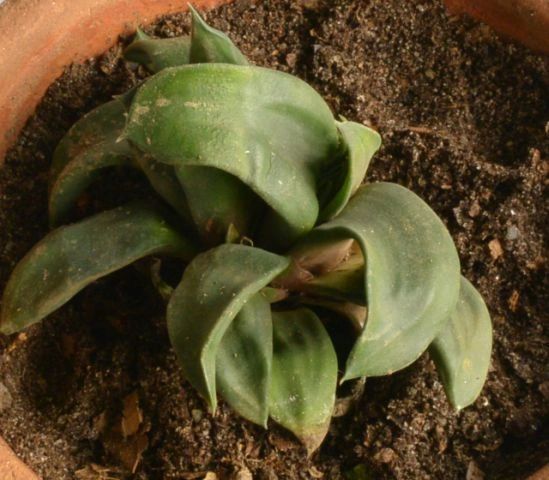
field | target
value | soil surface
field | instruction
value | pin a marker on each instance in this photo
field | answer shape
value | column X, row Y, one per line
column 463, row 117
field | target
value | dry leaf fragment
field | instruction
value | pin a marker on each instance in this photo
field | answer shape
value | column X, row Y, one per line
column 385, row 455
column 98, row 472
column 495, row 248
column 132, row 416
column 131, row 452
column 513, row 301
column 243, row 474
column 315, row 472
column 474, row 472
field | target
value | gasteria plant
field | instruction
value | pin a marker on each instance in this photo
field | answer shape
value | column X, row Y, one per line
column 260, row 197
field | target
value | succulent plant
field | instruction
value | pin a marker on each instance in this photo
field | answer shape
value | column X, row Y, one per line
column 260, row 196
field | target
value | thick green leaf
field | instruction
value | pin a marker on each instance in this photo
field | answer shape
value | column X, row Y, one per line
column 158, row 53
column 71, row 257
column 209, row 45
column 79, row 174
column 215, row 287
column 462, row 349
column 267, row 128
column 412, row 274
column 93, row 144
column 244, row 359
column 90, row 146
column 304, row 376
column 102, row 125
column 217, row 200
column 360, row 143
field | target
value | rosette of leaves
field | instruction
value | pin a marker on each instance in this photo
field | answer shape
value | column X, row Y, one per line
column 260, row 197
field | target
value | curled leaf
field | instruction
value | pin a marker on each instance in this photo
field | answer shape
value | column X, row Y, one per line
column 158, row 53
column 360, row 144
column 412, row 274
column 304, row 376
column 71, row 257
column 103, row 124
column 270, row 130
column 209, row 45
column 216, row 199
column 215, row 287
column 90, row 146
column 462, row 349
column 244, row 360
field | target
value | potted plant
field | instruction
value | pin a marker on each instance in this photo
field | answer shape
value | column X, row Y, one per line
column 330, row 267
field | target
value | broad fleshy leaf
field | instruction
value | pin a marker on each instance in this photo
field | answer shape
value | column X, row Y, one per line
column 69, row 258
column 267, row 128
column 214, row 199
column 244, row 359
column 158, row 53
column 412, row 274
column 304, row 376
column 360, row 143
column 94, row 144
column 90, row 146
column 209, row 45
column 215, row 287
column 462, row 349
column 103, row 123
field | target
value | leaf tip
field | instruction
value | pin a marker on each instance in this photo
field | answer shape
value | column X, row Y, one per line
column 196, row 17
column 312, row 441
column 140, row 35
column 7, row 327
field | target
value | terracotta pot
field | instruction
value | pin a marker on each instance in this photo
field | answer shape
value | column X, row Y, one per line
column 11, row 467
column 524, row 20
column 38, row 38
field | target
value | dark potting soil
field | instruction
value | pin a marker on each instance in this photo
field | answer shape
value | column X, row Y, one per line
column 463, row 117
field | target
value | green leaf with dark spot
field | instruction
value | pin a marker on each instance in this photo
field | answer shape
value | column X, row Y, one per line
column 412, row 274
column 304, row 376
column 158, row 53
column 462, row 349
column 209, row 45
column 90, row 146
column 244, row 359
column 215, row 287
column 360, row 143
column 269, row 129
column 70, row 258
